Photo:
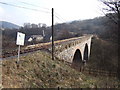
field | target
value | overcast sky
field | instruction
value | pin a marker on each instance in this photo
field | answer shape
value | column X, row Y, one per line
column 65, row 11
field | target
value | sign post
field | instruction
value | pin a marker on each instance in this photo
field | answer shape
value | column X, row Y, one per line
column 20, row 41
column 18, row 53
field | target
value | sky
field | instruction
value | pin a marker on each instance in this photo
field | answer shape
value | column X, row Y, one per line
column 39, row 11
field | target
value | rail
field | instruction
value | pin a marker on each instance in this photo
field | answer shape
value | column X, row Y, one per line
column 31, row 48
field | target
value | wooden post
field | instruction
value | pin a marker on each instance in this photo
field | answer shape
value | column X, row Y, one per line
column 52, row 34
column 106, row 85
column 89, row 71
column 118, row 30
column 96, row 87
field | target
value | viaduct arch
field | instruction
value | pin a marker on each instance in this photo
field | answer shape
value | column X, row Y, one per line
column 77, row 59
column 86, row 52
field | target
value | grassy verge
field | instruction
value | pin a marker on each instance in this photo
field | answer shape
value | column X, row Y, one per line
column 39, row 71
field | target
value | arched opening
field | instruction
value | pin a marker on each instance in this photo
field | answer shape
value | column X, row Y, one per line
column 77, row 59
column 86, row 52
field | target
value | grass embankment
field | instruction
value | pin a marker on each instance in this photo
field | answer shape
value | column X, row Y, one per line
column 104, row 55
column 38, row 70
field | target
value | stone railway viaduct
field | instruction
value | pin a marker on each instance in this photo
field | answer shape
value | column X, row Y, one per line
column 75, row 50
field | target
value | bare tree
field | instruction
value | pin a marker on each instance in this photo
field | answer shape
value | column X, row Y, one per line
column 63, row 34
column 113, row 8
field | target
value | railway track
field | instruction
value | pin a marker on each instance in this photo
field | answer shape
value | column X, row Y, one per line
column 23, row 51
column 41, row 46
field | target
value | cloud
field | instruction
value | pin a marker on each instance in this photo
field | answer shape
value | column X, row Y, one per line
column 69, row 10
column 1, row 13
column 1, row 10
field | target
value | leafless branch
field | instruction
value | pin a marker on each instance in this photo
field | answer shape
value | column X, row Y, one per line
column 113, row 8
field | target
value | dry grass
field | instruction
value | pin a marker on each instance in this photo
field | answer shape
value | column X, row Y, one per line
column 38, row 70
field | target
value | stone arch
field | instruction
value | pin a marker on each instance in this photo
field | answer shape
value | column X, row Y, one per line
column 77, row 59
column 85, row 55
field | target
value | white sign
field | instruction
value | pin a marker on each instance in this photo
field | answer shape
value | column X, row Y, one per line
column 20, row 38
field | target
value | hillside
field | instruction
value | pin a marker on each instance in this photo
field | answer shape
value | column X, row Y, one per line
column 8, row 25
column 101, row 26
column 104, row 55
column 38, row 70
